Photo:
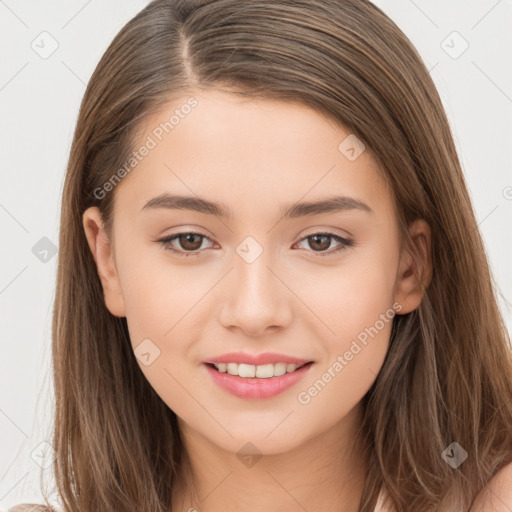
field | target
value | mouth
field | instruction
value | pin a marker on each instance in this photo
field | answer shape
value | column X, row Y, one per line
column 256, row 381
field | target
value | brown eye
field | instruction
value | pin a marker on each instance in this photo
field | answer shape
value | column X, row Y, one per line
column 319, row 242
column 189, row 243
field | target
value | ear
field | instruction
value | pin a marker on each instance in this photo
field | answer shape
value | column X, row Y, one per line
column 102, row 252
column 415, row 268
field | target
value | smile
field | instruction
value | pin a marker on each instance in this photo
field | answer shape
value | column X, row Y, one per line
column 256, row 381
column 264, row 371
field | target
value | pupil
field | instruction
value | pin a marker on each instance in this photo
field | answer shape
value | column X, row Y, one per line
column 322, row 246
column 188, row 243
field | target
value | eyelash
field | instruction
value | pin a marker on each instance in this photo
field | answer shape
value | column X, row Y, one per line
column 345, row 243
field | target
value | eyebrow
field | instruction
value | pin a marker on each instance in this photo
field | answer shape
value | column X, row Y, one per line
column 201, row 205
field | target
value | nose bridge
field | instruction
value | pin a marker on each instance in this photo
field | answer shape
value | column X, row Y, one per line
column 257, row 299
column 254, row 279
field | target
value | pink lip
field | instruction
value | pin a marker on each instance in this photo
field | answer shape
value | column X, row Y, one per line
column 265, row 358
column 254, row 387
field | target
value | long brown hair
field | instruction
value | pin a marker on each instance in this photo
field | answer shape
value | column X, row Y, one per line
column 447, row 376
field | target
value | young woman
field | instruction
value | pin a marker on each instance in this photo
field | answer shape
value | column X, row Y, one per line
column 272, row 293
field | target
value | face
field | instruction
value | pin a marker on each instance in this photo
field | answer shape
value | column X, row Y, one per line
column 262, row 273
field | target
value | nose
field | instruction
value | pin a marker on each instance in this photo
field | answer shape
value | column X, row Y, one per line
column 256, row 300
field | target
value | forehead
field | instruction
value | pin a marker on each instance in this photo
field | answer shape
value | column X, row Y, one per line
column 249, row 154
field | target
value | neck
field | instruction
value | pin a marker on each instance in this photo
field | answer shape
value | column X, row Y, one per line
column 325, row 473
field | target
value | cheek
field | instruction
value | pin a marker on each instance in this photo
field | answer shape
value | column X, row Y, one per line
column 165, row 304
column 352, row 296
column 351, row 361
column 159, row 302
column 154, row 294
column 354, row 303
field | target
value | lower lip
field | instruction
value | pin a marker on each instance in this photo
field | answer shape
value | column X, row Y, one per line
column 243, row 387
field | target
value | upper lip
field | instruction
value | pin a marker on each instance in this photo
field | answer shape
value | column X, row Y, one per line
column 260, row 359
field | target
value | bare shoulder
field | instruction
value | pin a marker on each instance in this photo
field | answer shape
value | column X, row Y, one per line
column 496, row 496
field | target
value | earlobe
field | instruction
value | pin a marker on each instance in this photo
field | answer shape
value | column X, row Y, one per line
column 101, row 250
column 415, row 268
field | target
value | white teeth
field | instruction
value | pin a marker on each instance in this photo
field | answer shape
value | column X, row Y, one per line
column 279, row 369
column 246, row 370
column 263, row 371
column 232, row 368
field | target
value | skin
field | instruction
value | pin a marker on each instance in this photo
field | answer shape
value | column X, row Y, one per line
column 496, row 496
column 256, row 157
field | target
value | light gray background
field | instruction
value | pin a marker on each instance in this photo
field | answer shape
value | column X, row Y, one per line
column 39, row 101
